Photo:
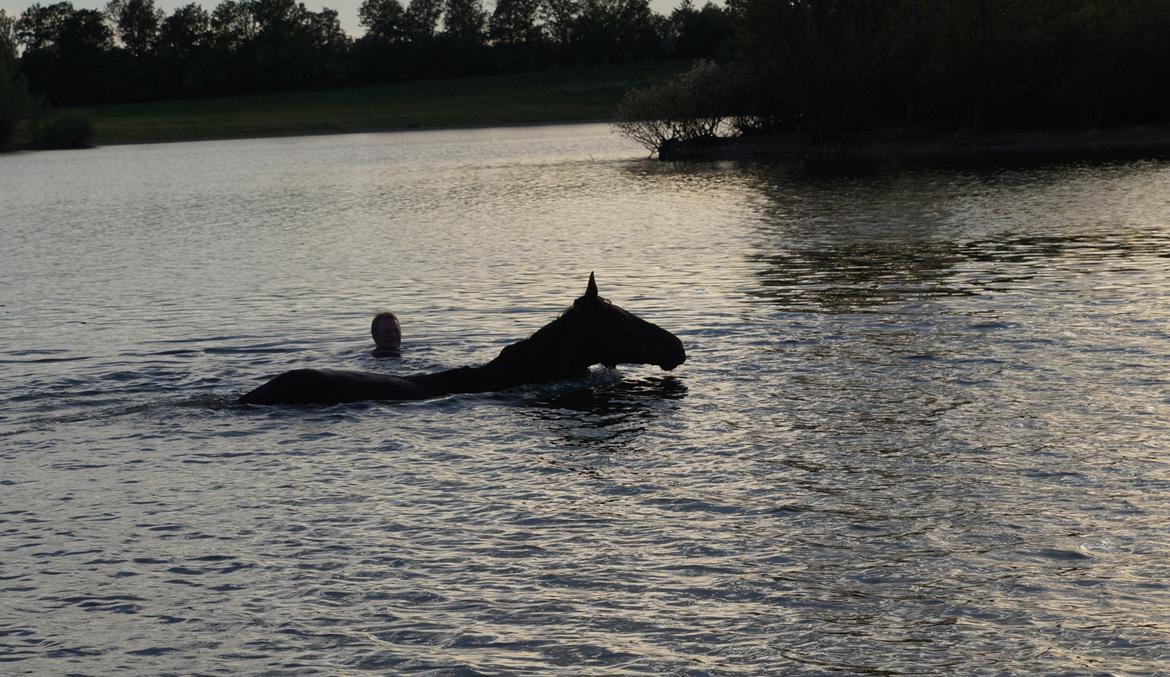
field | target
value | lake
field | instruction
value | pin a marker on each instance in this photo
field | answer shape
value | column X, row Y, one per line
column 923, row 427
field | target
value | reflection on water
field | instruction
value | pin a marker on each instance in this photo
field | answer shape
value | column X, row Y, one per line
column 847, row 243
column 922, row 426
column 608, row 415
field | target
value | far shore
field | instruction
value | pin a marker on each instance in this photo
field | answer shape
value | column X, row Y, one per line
column 545, row 97
column 16, row 147
column 913, row 146
column 889, row 146
column 336, row 131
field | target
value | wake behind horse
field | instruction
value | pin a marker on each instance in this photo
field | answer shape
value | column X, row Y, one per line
column 592, row 331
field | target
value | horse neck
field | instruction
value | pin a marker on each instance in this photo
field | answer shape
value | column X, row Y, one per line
column 461, row 380
column 523, row 362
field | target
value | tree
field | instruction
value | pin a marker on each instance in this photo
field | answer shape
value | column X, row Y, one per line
column 77, row 68
column 514, row 21
column 616, row 31
column 136, row 23
column 293, row 48
column 825, row 58
column 233, row 24
column 692, row 107
column 322, row 31
column 276, row 19
column 700, row 32
column 84, row 33
column 185, row 31
column 186, row 65
column 7, row 38
column 559, row 18
column 422, row 18
column 384, row 20
column 40, row 26
column 14, row 101
column 463, row 20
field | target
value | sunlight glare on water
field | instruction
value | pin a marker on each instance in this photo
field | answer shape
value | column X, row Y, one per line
column 921, row 429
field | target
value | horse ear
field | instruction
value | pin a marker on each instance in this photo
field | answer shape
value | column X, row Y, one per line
column 591, row 290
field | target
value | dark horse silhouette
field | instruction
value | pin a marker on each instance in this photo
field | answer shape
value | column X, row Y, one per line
column 592, row 331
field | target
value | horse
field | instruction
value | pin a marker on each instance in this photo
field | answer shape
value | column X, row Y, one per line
column 591, row 331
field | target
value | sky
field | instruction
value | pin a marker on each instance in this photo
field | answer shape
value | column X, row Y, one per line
column 347, row 10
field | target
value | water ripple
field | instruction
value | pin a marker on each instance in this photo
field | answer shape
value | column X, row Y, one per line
column 921, row 428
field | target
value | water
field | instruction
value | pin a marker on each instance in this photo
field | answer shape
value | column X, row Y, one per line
column 922, row 428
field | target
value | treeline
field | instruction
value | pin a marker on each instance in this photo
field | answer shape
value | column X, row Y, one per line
column 827, row 67
column 830, row 67
column 132, row 51
column 971, row 63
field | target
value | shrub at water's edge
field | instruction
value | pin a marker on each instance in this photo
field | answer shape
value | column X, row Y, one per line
column 701, row 106
column 66, row 130
column 692, row 106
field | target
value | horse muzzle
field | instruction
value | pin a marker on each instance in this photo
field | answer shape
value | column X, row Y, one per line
column 677, row 357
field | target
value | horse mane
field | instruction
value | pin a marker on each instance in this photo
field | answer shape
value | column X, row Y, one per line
column 537, row 347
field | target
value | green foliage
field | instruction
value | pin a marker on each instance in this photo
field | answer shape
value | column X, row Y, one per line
column 829, row 67
column 66, row 130
column 700, row 33
column 615, row 31
column 14, row 99
column 464, row 20
column 135, row 52
column 385, row 20
column 547, row 96
column 136, row 22
column 185, row 32
column 846, row 65
column 422, row 18
column 7, row 38
column 234, row 24
column 514, row 21
column 693, row 106
column 558, row 18
column 85, row 33
column 39, row 26
column 823, row 56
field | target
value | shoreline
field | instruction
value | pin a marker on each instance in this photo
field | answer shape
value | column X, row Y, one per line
column 28, row 147
column 915, row 146
column 356, row 130
column 10, row 148
column 884, row 146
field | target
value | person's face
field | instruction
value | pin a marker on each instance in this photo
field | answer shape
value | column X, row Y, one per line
column 387, row 334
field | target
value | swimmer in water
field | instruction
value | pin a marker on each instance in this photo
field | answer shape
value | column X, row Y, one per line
column 387, row 334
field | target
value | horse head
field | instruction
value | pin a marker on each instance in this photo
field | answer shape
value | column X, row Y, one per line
column 607, row 334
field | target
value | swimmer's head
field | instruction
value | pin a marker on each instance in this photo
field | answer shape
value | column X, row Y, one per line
column 386, row 331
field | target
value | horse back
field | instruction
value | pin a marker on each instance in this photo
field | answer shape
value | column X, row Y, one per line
column 330, row 386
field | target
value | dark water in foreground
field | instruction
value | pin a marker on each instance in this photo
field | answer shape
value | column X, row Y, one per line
column 923, row 427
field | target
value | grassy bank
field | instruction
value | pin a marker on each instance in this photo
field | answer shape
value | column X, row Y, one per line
column 549, row 96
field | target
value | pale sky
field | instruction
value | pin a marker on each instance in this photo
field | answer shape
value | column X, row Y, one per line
column 346, row 9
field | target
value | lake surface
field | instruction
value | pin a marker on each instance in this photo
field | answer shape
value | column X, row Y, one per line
column 923, row 427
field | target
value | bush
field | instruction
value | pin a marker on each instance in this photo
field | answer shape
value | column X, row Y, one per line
column 14, row 101
column 694, row 106
column 68, row 130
